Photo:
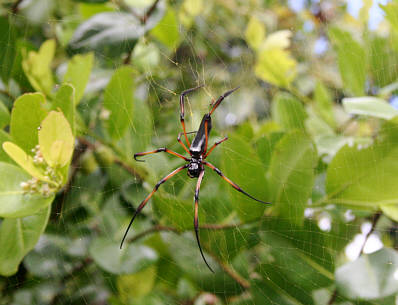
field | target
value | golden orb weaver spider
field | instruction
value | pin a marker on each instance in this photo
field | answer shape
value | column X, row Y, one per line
column 196, row 164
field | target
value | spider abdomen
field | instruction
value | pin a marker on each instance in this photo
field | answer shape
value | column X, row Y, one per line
column 197, row 147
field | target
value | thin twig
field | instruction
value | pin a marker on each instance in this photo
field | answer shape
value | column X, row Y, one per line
column 15, row 6
column 232, row 273
column 117, row 160
column 376, row 218
column 158, row 228
column 149, row 12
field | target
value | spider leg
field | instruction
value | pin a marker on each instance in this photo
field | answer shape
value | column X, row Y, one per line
column 182, row 144
column 214, row 146
column 234, row 185
column 220, row 99
column 182, row 96
column 144, row 202
column 196, row 221
column 163, row 149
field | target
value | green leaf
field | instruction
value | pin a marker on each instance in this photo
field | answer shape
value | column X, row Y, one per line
column 133, row 286
column 13, row 201
column 4, row 137
column 391, row 10
column 175, row 211
column 4, row 115
column 324, row 104
column 56, row 139
column 64, row 100
column 8, row 36
column 255, row 33
column 23, row 160
column 365, row 177
column 276, row 67
column 371, row 106
column 372, row 276
column 382, row 60
column 166, row 31
column 113, row 33
column 296, row 262
column 390, row 211
column 140, row 129
column 17, row 237
column 78, row 73
column 242, row 165
column 130, row 259
column 351, row 59
column 26, row 116
column 292, row 175
column 36, row 66
column 118, row 100
column 265, row 145
column 288, row 112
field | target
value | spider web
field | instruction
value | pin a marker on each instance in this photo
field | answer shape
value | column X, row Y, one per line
column 201, row 61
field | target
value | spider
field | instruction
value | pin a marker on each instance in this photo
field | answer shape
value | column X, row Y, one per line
column 196, row 164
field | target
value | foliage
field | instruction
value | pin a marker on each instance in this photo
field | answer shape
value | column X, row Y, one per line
column 85, row 84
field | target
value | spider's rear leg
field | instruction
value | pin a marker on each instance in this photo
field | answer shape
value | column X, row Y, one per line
column 144, row 202
column 234, row 185
column 196, row 218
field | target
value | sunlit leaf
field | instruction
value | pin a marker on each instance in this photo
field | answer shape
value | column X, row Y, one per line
column 17, row 237
column 324, row 104
column 36, row 66
column 277, row 40
column 23, row 160
column 372, row 276
column 56, row 139
column 276, row 67
column 255, row 33
column 371, row 106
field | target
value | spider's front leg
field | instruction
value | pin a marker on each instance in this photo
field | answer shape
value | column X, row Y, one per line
column 163, row 149
column 144, row 202
column 182, row 110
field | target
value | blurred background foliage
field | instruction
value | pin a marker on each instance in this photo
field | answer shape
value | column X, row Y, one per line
column 312, row 129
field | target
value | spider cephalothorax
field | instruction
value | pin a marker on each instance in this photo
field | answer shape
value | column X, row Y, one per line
column 196, row 164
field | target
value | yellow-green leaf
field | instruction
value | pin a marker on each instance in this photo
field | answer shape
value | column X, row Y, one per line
column 56, row 139
column 23, row 160
column 277, row 40
column 166, row 31
column 276, row 67
column 36, row 66
column 255, row 33
column 193, row 7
